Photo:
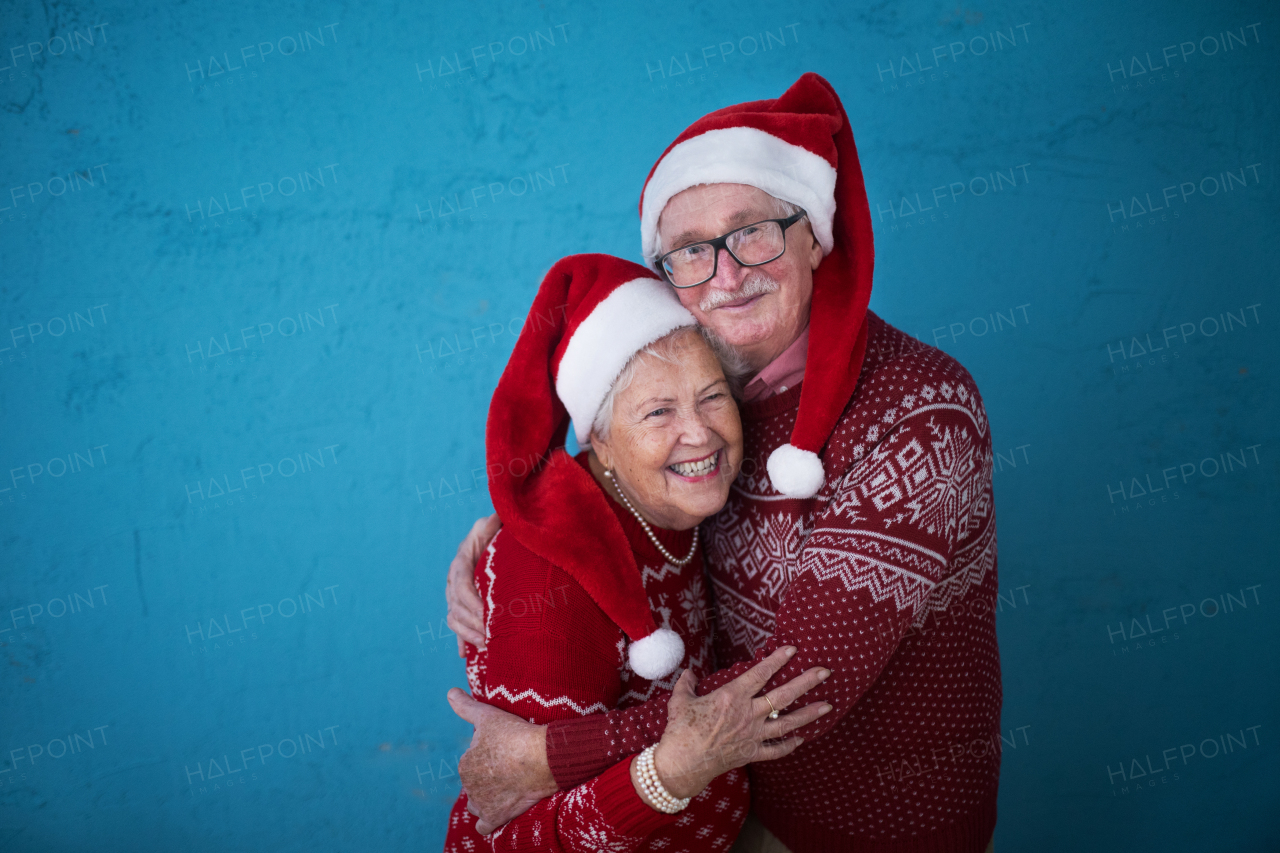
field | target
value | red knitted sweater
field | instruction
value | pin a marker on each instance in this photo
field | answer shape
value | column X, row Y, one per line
column 552, row 654
column 888, row 577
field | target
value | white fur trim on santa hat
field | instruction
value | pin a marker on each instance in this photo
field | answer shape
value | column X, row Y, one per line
column 794, row 472
column 626, row 321
column 657, row 655
column 742, row 155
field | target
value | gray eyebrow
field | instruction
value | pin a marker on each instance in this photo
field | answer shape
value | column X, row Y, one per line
column 714, row 384
column 741, row 217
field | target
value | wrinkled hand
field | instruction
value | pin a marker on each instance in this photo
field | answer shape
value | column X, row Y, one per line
column 730, row 726
column 466, row 610
column 505, row 770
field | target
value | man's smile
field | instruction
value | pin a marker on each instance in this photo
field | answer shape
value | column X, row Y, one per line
column 745, row 302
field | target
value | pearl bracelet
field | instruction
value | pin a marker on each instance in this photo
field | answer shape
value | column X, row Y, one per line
column 658, row 795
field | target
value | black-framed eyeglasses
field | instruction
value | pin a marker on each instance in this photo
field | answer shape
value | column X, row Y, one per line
column 751, row 245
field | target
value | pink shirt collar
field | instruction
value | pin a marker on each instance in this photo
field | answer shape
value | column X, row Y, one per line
column 782, row 373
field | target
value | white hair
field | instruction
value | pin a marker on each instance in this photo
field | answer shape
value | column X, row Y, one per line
column 776, row 207
column 782, row 209
column 665, row 349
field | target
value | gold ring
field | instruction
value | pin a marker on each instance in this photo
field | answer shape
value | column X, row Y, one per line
column 774, row 715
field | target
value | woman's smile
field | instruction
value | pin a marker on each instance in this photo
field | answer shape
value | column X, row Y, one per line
column 697, row 470
column 675, row 442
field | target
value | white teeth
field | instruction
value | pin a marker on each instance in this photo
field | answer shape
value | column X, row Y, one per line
column 696, row 469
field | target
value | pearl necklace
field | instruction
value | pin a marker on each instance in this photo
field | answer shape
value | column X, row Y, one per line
column 652, row 538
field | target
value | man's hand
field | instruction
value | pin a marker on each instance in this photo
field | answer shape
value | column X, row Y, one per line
column 466, row 610
column 505, row 770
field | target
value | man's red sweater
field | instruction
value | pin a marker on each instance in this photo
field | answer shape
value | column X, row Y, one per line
column 888, row 577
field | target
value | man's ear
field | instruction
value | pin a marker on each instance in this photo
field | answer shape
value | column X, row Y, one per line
column 815, row 252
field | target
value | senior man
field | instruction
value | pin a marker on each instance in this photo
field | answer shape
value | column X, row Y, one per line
column 861, row 529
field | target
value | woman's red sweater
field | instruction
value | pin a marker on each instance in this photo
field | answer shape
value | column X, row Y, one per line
column 553, row 655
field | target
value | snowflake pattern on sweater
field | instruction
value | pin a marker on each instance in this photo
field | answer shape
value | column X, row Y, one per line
column 553, row 654
column 888, row 577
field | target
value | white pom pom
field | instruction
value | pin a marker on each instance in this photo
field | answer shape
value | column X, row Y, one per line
column 794, row 472
column 656, row 655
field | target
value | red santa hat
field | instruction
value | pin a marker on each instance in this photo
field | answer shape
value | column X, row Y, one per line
column 798, row 148
column 591, row 315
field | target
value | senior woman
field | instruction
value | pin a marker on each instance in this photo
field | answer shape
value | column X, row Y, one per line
column 593, row 589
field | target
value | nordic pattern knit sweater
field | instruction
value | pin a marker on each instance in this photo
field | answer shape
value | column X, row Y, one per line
column 888, row 577
column 552, row 654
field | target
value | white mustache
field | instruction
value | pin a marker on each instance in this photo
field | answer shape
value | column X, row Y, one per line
column 755, row 284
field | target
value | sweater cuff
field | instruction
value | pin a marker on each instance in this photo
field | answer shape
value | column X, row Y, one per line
column 618, row 801
column 577, row 750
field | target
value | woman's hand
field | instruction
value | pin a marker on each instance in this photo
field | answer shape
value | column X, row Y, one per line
column 729, row 727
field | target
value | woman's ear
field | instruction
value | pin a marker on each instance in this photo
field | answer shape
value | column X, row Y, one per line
column 602, row 451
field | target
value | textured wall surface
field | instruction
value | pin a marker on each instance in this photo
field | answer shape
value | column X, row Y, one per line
column 263, row 265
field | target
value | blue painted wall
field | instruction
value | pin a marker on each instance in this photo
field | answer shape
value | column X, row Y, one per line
column 263, row 266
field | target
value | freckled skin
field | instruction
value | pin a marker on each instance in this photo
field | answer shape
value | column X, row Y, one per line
column 710, row 735
column 672, row 413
